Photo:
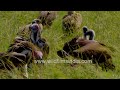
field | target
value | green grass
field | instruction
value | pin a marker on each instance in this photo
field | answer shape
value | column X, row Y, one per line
column 106, row 25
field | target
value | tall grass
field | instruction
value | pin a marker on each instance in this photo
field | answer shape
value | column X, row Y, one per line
column 106, row 25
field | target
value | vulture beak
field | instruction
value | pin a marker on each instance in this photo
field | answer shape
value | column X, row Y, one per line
column 62, row 53
column 78, row 39
column 38, row 55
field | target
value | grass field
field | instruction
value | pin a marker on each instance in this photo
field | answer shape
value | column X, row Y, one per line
column 106, row 25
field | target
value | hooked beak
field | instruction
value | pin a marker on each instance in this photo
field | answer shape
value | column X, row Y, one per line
column 78, row 39
column 62, row 53
column 39, row 55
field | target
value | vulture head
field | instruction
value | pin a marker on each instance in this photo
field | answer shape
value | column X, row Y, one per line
column 71, row 12
column 37, row 40
column 35, row 33
column 36, row 21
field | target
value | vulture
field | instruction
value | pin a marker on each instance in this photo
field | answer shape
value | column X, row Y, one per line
column 30, row 34
column 36, row 39
column 24, row 32
column 87, row 32
column 72, row 44
column 71, row 22
column 47, row 17
column 68, row 47
column 90, row 49
column 22, row 52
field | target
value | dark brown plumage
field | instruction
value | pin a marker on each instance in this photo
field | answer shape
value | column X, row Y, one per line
column 28, row 34
column 68, row 48
column 99, row 53
column 89, row 50
column 27, row 48
column 72, row 44
column 12, row 60
column 20, row 54
column 19, row 43
column 71, row 22
column 24, row 47
column 47, row 17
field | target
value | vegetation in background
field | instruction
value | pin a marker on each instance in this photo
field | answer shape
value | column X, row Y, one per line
column 106, row 25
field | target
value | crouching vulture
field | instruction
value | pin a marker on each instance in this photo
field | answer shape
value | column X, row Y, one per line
column 47, row 17
column 36, row 39
column 32, row 33
column 20, row 55
column 90, row 49
column 71, row 22
column 22, row 52
column 24, row 31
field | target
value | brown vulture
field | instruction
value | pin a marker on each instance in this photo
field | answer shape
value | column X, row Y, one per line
column 47, row 17
column 71, row 22
column 90, row 49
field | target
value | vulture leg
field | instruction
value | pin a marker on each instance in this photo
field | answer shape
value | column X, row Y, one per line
column 24, row 71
